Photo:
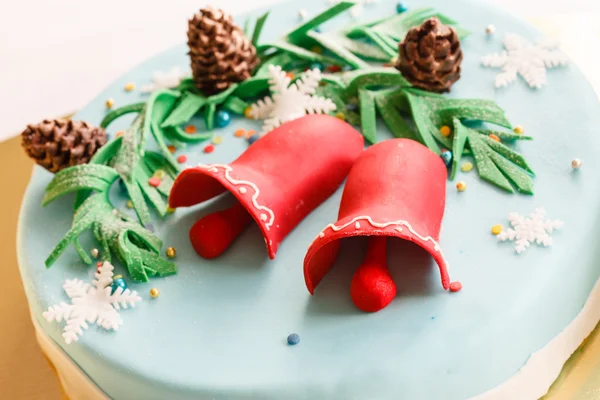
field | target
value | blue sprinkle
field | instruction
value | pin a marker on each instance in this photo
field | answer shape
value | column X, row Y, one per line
column 293, row 339
column 317, row 65
column 222, row 119
column 253, row 139
column 118, row 283
column 432, row 317
column 447, row 157
column 401, row 7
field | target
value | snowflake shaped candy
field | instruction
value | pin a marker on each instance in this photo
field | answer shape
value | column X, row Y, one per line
column 290, row 101
column 526, row 59
column 165, row 80
column 93, row 303
column 527, row 230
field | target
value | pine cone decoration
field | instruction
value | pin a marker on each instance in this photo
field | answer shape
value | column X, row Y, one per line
column 60, row 143
column 430, row 56
column 220, row 52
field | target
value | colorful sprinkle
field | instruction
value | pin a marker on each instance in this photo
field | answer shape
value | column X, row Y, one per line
column 190, row 129
column 317, row 49
column 95, row 253
column 154, row 292
column 494, row 137
column 466, row 167
column 222, row 119
column 248, row 113
column 120, row 133
column 171, row 252
column 250, row 133
column 170, row 210
column 171, row 148
column 129, row 86
column 209, row 149
column 461, row 186
column 110, row 103
column 490, row 29
column 497, row 229
column 519, row 130
column 129, row 204
column 576, row 163
column 455, row 286
column 445, row 131
column 334, row 68
column 154, row 181
column 118, row 282
column 293, row 339
column 447, row 157
column 253, row 139
column 340, row 116
column 290, row 75
column 401, row 7
column 217, row 139
column 240, row 133
column 159, row 173
column 182, row 158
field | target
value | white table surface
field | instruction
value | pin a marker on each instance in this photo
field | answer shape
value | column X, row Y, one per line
column 55, row 55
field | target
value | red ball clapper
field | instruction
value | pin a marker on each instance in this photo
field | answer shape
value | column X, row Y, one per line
column 372, row 287
column 214, row 233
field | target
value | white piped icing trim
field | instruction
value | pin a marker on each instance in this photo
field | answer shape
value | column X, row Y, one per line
column 383, row 225
column 269, row 217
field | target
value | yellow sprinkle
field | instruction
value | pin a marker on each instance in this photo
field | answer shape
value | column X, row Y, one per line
column 154, row 292
column 247, row 112
column 317, row 49
column 340, row 116
column 129, row 204
column 496, row 229
column 129, row 86
column 519, row 130
column 466, row 167
column 159, row 174
column 217, row 139
column 110, row 103
column 461, row 186
column 171, row 252
column 170, row 210
column 445, row 131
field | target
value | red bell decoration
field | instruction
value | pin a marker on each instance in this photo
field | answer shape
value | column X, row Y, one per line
column 279, row 180
column 396, row 188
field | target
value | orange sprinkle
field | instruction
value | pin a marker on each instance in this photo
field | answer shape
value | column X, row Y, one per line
column 240, row 133
column 171, row 148
column 290, row 75
column 494, row 137
column 190, row 129
column 247, row 113
column 120, row 133
column 251, row 132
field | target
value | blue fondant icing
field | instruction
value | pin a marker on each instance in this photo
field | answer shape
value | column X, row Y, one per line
column 185, row 345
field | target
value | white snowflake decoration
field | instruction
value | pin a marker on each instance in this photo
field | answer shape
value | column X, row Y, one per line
column 526, row 59
column 290, row 101
column 527, row 230
column 91, row 304
column 165, row 80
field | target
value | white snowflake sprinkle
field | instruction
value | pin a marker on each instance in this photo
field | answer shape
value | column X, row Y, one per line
column 91, row 304
column 290, row 101
column 525, row 59
column 165, row 80
column 527, row 230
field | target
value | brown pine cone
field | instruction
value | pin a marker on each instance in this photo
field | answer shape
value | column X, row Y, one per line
column 220, row 52
column 60, row 143
column 430, row 56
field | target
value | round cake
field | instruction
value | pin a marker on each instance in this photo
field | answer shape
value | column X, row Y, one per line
column 287, row 320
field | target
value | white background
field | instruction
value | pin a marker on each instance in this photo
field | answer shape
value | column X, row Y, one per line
column 55, row 55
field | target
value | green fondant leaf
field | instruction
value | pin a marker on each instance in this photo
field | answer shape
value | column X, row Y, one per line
column 187, row 107
column 260, row 23
column 373, row 77
column 507, row 136
column 517, row 176
column 336, row 48
column 235, row 105
column 459, row 140
column 507, row 153
column 368, row 115
column 180, row 135
column 298, row 35
column 392, row 118
column 83, row 254
column 252, row 88
column 113, row 115
column 485, row 166
column 209, row 116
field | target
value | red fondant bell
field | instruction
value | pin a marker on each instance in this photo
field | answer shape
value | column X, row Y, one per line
column 279, row 180
column 396, row 188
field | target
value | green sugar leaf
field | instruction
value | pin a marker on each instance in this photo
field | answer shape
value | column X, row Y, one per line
column 373, row 77
column 339, row 50
column 360, row 48
column 113, row 115
column 77, row 229
column 209, row 116
column 156, row 265
column 186, row 85
column 368, row 115
column 186, row 108
column 461, row 133
column 251, row 88
column 158, row 107
column 424, row 112
column 235, row 105
column 73, row 185
column 260, row 23
column 180, row 135
column 137, row 198
column 517, row 176
column 485, row 166
column 507, row 136
column 130, row 253
column 83, row 254
column 81, row 172
column 507, row 153
column 392, row 118
column 473, row 109
column 222, row 97
column 141, row 176
column 299, row 34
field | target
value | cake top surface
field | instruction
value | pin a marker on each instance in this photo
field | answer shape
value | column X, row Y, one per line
column 219, row 327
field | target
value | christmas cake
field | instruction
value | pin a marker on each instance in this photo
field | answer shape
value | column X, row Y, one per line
column 265, row 211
